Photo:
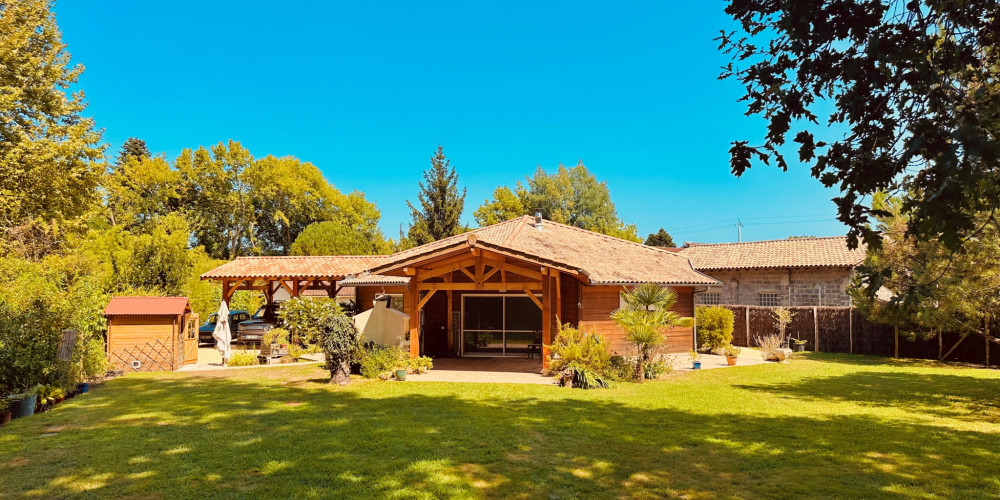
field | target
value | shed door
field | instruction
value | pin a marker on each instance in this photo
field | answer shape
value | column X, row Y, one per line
column 191, row 340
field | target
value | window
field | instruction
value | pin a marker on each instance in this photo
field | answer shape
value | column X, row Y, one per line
column 396, row 301
column 499, row 325
column 711, row 299
column 768, row 300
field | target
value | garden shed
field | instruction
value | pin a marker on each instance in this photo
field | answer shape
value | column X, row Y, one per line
column 148, row 334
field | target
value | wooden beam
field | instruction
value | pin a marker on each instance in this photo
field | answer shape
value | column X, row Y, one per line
column 960, row 339
column 467, row 273
column 410, row 307
column 479, row 273
column 423, row 301
column 816, row 328
column 446, row 270
column 410, row 271
column 514, row 268
column 558, row 297
column 490, row 274
column 546, row 320
column 451, row 341
column 534, row 299
column 486, row 286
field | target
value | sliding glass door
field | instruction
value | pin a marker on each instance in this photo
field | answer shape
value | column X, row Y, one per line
column 499, row 325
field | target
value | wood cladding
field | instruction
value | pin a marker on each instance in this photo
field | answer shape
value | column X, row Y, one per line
column 599, row 301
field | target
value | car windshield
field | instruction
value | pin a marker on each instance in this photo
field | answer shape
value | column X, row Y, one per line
column 212, row 318
column 267, row 312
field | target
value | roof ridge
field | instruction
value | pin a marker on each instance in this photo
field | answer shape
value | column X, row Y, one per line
column 810, row 238
column 517, row 230
column 308, row 256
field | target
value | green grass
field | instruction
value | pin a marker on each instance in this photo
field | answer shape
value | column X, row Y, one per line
column 820, row 426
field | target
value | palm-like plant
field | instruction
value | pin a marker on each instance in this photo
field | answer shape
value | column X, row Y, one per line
column 644, row 318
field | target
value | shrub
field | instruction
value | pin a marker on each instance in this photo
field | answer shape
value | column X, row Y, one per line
column 420, row 364
column 243, row 359
column 377, row 361
column 657, row 368
column 275, row 336
column 647, row 313
column 584, row 355
column 731, row 351
column 782, row 317
column 340, row 343
column 768, row 344
column 621, row 368
column 306, row 318
column 715, row 326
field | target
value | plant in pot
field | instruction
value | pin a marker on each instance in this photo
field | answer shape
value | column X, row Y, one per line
column 799, row 345
column 695, row 359
column 732, row 352
column 5, row 413
column 22, row 404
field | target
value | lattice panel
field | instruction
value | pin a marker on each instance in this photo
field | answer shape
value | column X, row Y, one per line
column 153, row 356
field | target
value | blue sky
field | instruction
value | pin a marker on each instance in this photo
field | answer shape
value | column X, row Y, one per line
column 367, row 90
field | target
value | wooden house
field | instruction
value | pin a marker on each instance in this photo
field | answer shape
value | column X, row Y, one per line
column 151, row 333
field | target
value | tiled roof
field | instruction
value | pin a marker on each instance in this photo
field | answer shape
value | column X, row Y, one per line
column 794, row 252
column 325, row 266
column 373, row 279
column 146, row 306
column 342, row 292
column 605, row 259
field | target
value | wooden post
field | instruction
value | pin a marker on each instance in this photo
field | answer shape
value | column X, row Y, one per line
column 896, row 342
column 546, row 318
column 558, row 286
column 448, row 296
column 816, row 328
column 410, row 298
column 850, row 328
column 746, row 309
column 986, row 325
column 940, row 346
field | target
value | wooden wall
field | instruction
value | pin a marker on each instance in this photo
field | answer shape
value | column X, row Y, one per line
column 153, row 340
column 599, row 301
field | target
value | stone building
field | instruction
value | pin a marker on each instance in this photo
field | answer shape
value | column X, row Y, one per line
column 792, row 272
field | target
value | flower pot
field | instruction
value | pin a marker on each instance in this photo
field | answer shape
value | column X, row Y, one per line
column 83, row 387
column 696, row 365
column 5, row 417
column 731, row 360
column 800, row 348
column 23, row 407
column 401, row 375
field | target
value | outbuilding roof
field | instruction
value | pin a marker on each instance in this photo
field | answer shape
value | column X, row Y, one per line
column 794, row 252
column 324, row 266
column 146, row 306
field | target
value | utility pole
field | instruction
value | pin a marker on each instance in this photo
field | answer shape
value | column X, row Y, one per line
column 739, row 231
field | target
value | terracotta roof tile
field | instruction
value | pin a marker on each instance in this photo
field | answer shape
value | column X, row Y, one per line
column 295, row 267
column 146, row 306
column 374, row 279
column 793, row 252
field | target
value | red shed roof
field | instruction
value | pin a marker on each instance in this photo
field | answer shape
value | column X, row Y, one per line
column 146, row 306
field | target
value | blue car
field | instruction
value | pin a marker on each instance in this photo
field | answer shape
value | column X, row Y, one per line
column 207, row 328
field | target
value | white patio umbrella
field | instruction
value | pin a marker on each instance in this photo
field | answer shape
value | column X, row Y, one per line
column 222, row 334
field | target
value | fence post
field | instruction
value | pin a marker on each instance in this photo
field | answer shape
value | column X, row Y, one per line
column 940, row 346
column 850, row 329
column 816, row 328
column 896, row 341
column 747, row 310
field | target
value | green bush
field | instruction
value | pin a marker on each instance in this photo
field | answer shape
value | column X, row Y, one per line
column 420, row 364
column 341, row 340
column 306, row 318
column 585, row 355
column 243, row 359
column 715, row 326
column 378, row 360
column 656, row 368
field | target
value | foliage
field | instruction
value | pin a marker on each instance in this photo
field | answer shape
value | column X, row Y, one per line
column 377, row 360
column 306, row 318
column 768, row 343
column 621, row 368
column 48, row 151
column 440, row 210
column 570, row 196
column 715, row 326
column 340, row 344
column 923, row 285
column 420, row 364
column 644, row 318
column 133, row 148
column 731, row 351
column 584, row 354
column 695, row 356
column 336, row 238
column 913, row 83
column 658, row 367
column 275, row 336
column 243, row 358
column 140, row 189
column 660, row 238
column 782, row 318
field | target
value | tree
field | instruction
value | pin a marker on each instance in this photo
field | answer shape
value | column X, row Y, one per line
column 571, row 196
column 48, row 151
column 644, row 318
column 440, row 204
column 140, row 189
column 914, row 84
column 341, row 342
column 660, row 238
column 715, row 326
column 335, row 238
column 133, row 148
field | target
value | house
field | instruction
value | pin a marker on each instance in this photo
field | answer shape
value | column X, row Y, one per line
column 151, row 333
column 494, row 291
column 790, row 272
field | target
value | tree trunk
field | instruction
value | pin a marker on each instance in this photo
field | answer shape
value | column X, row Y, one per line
column 340, row 373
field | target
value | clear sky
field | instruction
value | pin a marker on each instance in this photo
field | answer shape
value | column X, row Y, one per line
column 367, row 90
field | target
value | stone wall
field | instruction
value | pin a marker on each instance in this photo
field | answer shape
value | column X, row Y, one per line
column 793, row 287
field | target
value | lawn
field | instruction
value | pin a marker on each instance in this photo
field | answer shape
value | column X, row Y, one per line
column 820, row 426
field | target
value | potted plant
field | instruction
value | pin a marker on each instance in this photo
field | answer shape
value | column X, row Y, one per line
column 799, row 345
column 23, row 404
column 82, row 387
column 400, row 372
column 4, row 411
column 731, row 352
column 695, row 360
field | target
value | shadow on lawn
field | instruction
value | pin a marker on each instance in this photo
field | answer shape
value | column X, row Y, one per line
column 219, row 437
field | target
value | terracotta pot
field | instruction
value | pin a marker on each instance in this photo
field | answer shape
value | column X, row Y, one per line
column 731, row 360
column 5, row 417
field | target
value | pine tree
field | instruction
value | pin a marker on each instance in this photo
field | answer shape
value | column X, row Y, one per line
column 135, row 148
column 440, row 204
column 660, row 238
